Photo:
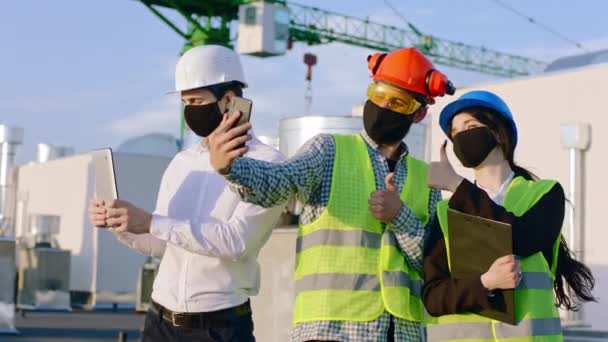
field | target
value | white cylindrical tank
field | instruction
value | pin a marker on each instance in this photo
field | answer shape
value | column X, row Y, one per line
column 270, row 141
column 296, row 131
column 42, row 228
column 10, row 139
column 47, row 152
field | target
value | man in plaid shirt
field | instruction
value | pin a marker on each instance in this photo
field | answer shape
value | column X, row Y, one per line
column 366, row 208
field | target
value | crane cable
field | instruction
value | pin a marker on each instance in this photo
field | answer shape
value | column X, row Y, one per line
column 507, row 7
column 410, row 25
column 541, row 25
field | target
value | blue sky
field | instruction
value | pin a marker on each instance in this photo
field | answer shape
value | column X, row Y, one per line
column 90, row 74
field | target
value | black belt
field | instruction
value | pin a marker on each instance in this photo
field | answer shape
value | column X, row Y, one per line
column 202, row 320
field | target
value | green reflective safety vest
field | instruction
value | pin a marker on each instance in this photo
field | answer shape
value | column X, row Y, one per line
column 348, row 266
column 535, row 311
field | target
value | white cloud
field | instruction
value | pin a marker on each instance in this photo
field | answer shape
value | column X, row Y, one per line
column 69, row 101
column 160, row 117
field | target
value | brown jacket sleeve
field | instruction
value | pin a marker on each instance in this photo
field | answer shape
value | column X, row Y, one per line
column 443, row 295
column 533, row 232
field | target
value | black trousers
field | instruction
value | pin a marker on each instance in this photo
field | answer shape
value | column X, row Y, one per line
column 156, row 329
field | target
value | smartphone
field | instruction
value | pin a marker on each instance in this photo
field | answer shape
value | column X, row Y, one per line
column 242, row 105
column 105, row 176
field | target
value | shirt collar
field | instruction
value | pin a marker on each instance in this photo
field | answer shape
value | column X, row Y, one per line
column 499, row 195
column 371, row 143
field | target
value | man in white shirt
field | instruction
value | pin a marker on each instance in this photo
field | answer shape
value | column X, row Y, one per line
column 207, row 237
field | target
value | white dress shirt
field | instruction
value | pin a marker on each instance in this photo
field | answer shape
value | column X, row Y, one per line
column 207, row 237
column 498, row 196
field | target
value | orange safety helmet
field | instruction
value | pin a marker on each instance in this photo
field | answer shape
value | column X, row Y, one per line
column 409, row 69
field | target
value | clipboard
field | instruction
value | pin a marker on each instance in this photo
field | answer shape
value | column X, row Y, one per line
column 475, row 243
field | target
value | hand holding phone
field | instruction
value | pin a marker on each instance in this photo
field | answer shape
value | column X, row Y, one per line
column 242, row 105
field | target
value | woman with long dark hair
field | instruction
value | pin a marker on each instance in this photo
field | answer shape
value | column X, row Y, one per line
column 542, row 270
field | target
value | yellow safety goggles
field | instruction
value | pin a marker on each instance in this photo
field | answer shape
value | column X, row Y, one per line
column 393, row 98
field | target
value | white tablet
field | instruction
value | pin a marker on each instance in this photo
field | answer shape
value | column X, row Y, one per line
column 105, row 177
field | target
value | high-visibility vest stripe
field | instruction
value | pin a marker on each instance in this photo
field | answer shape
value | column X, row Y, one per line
column 487, row 330
column 535, row 280
column 335, row 237
column 335, row 281
column 403, row 279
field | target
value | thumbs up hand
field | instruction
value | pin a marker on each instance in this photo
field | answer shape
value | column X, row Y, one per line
column 442, row 175
column 385, row 204
column 389, row 182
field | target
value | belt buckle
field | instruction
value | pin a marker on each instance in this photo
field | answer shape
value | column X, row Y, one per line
column 175, row 324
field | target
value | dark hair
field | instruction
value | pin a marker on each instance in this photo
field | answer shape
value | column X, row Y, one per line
column 219, row 90
column 577, row 275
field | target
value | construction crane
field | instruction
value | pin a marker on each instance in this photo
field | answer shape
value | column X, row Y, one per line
column 209, row 23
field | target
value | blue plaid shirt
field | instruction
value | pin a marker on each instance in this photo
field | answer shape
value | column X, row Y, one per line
column 308, row 176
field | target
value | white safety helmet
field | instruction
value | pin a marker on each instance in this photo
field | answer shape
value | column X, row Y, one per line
column 207, row 65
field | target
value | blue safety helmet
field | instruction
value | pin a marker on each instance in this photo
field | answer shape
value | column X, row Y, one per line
column 477, row 98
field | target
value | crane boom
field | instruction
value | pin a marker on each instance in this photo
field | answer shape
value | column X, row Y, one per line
column 317, row 26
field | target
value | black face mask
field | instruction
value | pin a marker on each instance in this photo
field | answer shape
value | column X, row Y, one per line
column 383, row 125
column 473, row 145
column 203, row 120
